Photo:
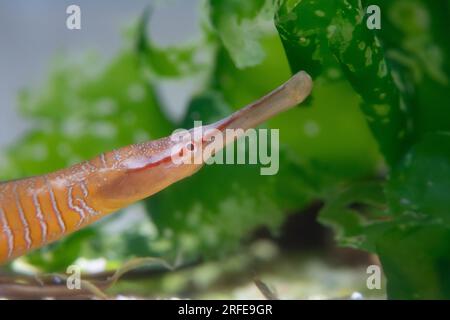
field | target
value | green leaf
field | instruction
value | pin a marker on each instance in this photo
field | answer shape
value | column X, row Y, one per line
column 362, row 58
column 318, row 133
column 317, row 33
column 416, row 261
column 357, row 214
column 240, row 25
column 415, row 38
column 415, row 252
column 420, row 185
column 303, row 29
column 412, row 237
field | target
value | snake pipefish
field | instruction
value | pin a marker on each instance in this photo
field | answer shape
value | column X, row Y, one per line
column 39, row 210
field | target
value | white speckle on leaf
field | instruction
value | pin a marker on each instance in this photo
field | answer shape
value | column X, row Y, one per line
column 311, row 128
column 382, row 109
column 105, row 107
column 129, row 118
column 38, row 151
column 167, row 233
column 408, row 159
column 382, row 69
column 334, row 73
column 304, row 41
column 368, row 56
column 347, row 32
column 405, row 201
column 63, row 149
column 141, row 135
column 136, row 92
column 104, row 129
column 73, row 127
column 331, row 30
column 319, row 13
column 377, row 42
column 403, row 106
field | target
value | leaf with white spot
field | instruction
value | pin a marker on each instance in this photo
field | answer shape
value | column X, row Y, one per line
column 419, row 187
column 315, row 33
column 240, row 26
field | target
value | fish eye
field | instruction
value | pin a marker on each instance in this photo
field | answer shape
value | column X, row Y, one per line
column 190, row 146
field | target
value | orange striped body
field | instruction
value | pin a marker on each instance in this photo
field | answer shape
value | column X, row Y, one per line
column 39, row 210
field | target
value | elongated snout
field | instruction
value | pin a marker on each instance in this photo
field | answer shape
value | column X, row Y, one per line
column 288, row 95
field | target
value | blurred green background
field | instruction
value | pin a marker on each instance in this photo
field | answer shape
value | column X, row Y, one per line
column 365, row 164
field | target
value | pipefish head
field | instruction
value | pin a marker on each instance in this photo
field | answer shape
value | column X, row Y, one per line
column 152, row 166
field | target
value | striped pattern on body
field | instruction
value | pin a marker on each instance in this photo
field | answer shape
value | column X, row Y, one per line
column 38, row 210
